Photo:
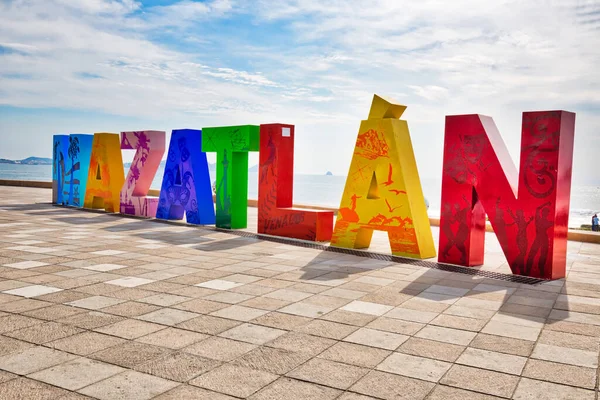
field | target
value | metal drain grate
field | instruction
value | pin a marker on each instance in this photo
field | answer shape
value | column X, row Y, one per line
column 317, row 246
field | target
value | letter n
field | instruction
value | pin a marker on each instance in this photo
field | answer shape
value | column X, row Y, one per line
column 106, row 174
column 275, row 189
column 383, row 191
column 479, row 178
column 186, row 183
column 150, row 147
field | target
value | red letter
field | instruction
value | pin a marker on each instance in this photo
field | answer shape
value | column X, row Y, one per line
column 275, row 189
column 480, row 178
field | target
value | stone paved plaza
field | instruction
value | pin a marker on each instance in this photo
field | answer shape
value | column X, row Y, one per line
column 100, row 306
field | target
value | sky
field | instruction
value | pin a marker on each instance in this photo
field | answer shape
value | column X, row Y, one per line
column 89, row 66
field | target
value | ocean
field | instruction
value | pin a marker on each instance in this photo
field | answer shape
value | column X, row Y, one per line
column 322, row 190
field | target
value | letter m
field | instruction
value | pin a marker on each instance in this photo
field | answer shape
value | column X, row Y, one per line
column 529, row 210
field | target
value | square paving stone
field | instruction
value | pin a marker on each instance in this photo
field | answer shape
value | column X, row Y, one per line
column 328, row 329
column 275, row 361
column 85, row 343
column 77, row 373
column 6, row 376
column 168, row 316
column 563, row 339
column 355, row 354
column 234, row 380
column 301, row 342
column 566, row 355
column 414, row 367
column 130, row 329
column 129, row 385
column 164, row 299
column 500, row 362
column 503, row 344
column 449, row 393
column 130, row 281
column 365, row 307
column 221, row 349
column 9, row 345
column 95, row 302
column 282, row 321
column 329, row 373
column 200, row 306
column 187, row 392
column 219, row 284
column 348, row 317
column 33, row 359
column 251, row 333
column 395, row 326
column 91, row 320
column 172, row 338
column 374, row 338
column 392, row 387
column 228, row 297
column 561, row 373
column 446, row 335
column 28, row 389
column 130, row 309
column 306, row 310
column 479, row 380
column 54, row 312
column 208, row 325
column 33, row 291
column 23, row 305
column 532, row 389
column 179, row 367
column 431, row 349
column 104, row 267
column 130, row 354
column 512, row 330
column 285, row 389
column 239, row 313
column 43, row 333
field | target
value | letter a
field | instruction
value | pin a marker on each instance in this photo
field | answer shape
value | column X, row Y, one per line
column 106, row 174
column 383, row 191
column 480, row 178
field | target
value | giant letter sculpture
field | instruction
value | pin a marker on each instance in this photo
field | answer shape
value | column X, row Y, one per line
column 186, row 182
column 479, row 177
column 150, row 147
column 275, row 190
column 383, row 191
column 232, row 144
column 106, row 175
column 59, row 158
column 79, row 152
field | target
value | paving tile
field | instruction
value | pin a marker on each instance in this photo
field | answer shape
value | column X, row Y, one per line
column 164, row 299
column 208, row 324
column 349, row 318
column 187, row 392
column 104, row 267
column 511, row 330
column 452, row 321
column 43, row 333
column 563, row 339
column 506, row 363
column 306, row 310
column 167, row 316
column 95, row 302
column 375, row 338
column 32, row 291
column 130, row 329
column 446, row 335
column 219, row 284
column 355, row 354
column 288, row 295
column 129, row 385
column 130, row 309
column 221, row 349
column 367, row 308
column 275, row 361
column 179, row 367
column 130, row 281
column 411, row 315
column 91, row 320
column 565, row 355
column 414, row 367
column 6, row 376
column 532, row 389
column 9, row 345
column 28, row 389
column 25, row 264
column 172, row 338
column 431, row 349
column 328, row 373
column 331, row 330
column 234, row 380
column 561, row 373
column 85, row 343
column 130, row 354
column 107, row 252
column 392, row 387
column 301, row 342
column 449, row 393
column 282, row 321
column 33, row 359
column 77, row 373
column 251, row 333
column 481, row 380
column 395, row 326
column 200, row 306
column 53, row 312
column 239, row 313
column 285, row 388
column 503, row 344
